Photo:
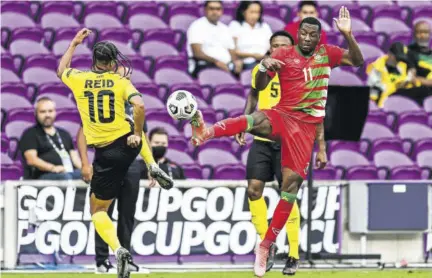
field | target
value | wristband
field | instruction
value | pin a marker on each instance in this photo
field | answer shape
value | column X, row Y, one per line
column 261, row 67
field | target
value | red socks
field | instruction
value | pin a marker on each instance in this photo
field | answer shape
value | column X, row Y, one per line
column 280, row 217
column 231, row 126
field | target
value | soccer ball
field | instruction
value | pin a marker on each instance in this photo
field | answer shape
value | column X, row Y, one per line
column 182, row 105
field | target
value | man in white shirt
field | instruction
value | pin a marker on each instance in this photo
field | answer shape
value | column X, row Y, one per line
column 210, row 42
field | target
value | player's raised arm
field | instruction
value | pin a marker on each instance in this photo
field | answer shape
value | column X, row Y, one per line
column 266, row 70
column 353, row 56
column 66, row 59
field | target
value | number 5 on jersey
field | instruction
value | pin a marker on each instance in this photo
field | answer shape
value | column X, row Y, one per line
column 100, row 104
column 307, row 74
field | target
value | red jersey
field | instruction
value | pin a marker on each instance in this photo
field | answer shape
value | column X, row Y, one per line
column 304, row 80
column 293, row 28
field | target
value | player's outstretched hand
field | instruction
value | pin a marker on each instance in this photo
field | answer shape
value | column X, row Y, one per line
column 240, row 138
column 134, row 141
column 343, row 23
column 80, row 36
column 165, row 181
column 272, row 64
column 321, row 160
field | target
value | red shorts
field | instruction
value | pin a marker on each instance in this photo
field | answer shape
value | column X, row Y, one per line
column 296, row 137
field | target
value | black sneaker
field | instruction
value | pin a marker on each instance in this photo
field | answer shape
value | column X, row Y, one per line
column 291, row 266
column 123, row 258
column 104, row 267
column 271, row 257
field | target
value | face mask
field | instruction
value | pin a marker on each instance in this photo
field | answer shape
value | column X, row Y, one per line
column 158, row 151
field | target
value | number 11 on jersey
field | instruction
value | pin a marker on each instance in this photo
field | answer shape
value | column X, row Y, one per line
column 305, row 72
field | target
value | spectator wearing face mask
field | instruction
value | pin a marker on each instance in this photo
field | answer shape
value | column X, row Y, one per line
column 158, row 138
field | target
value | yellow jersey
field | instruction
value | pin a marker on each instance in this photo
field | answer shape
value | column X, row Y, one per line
column 268, row 97
column 101, row 99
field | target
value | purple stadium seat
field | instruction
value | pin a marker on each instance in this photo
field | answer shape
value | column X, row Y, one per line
column 63, row 39
column 40, row 69
column 224, row 144
column 415, row 131
column 4, row 143
column 274, row 22
column 215, row 157
column 169, row 127
column 15, row 129
column 413, row 4
column 5, row 159
column 157, row 49
column 54, row 88
column 170, row 77
column 101, row 15
column 427, row 104
column 82, row 62
column 402, row 37
column 192, row 171
column 152, row 102
column 328, row 173
column 146, row 15
column 390, row 19
column 422, row 145
column 423, row 14
column 16, row 14
column 27, row 41
column 373, row 106
column 178, row 143
column 423, row 153
column 199, row 92
column 58, row 15
column 362, row 173
column 371, row 44
column 391, row 159
column 182, row 22
column 61, row 102
column 382, row 117
column 374, row 131
column 10, row 172
column 344, row 78
column 69, row 126
column 360, row 16
column 375, row 3
column 406, row 173
column 246, row 77
column 172, row 62
column 361, row 147
column 21, row 114
column 11, row 101
column 420, row 117
column 179, row 157
column 160, row 115
column 229, row 172
column 214, row 77
column 394, row 144
column 151, row 89
column 8, row 70
column 121, row 37
column 227, row 101
column 142, row 69
column 400, row 104
column 348, row 158
column 244, row 156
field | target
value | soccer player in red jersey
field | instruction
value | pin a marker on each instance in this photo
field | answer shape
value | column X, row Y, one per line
column 303, row 71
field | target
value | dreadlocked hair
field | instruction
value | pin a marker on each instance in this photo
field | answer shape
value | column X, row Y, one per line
column 105, row 52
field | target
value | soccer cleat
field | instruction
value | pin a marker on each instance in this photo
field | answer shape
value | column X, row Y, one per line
column 105, row 267
column 291, row 266
column 200, row 133
column 260, row 265
column 135, row 268
column 164, row 180
column 123, row 258
column 271, row 257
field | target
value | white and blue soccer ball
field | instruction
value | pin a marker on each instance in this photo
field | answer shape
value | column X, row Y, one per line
column 182, row 105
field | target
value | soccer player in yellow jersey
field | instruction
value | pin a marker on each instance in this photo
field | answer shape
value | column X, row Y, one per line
column 264, row 163
column 100, row 95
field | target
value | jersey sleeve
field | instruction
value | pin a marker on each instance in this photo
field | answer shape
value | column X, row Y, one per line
column 69, row 76
column 335, row 54
column 254, row 72
column 130, row 91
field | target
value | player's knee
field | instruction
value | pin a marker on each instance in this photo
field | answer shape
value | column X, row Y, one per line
column 254, row 191
column 291, row 182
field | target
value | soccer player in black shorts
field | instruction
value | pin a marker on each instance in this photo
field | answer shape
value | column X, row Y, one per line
column 100, row 95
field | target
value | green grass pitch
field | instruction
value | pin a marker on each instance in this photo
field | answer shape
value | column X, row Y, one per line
column 273, row 274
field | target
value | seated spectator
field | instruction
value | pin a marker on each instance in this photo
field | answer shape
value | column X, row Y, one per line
column 47, row 150
column 420, row 53
column 305, row 9
column 210, row 42
column 389, row 73
column 251, row 35
column 158, row 138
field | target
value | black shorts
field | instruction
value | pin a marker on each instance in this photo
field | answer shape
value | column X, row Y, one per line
column 264, row 161
column 110, row 166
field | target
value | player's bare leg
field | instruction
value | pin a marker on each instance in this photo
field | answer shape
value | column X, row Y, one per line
column 105, row 228
column 258, row 209
column 291, row 182
column 257, row 124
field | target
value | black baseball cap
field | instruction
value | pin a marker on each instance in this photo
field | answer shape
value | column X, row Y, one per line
column 399, row 51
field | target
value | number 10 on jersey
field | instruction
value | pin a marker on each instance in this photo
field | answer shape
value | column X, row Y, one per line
column 307, row 74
